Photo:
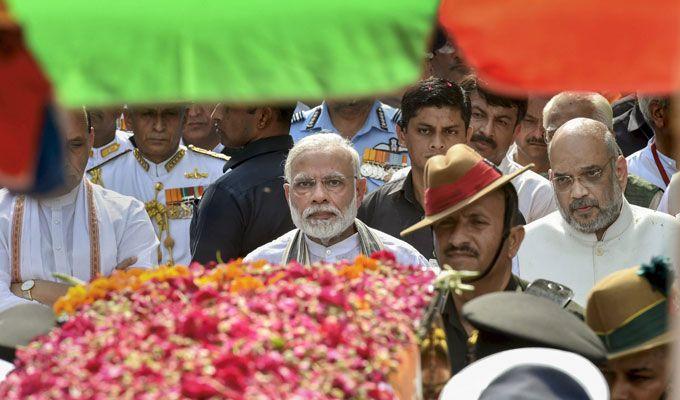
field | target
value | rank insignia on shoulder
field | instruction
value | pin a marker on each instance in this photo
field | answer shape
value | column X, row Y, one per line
column 313, row 119
column 396, row 118
column 112, row 148
column 195, row 174
column 297, row 117
column 109, row 160
column 180, row 201
column 381, row 118
column 208, row 152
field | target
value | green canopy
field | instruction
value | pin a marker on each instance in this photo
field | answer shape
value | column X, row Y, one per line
column 99, row 52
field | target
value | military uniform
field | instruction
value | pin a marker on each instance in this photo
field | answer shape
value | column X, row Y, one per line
column 376, row 141
column 119, row 145
column 169, row 191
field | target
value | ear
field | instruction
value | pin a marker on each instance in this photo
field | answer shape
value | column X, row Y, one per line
column 286, row 191
column 361, row 190
column 468, row 135
column 515, row 133
column 401, row 135
column 658, row 114
column 621, row 172
column 265, row 117
column 515, row 240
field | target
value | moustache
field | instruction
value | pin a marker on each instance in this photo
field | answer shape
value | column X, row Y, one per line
column 477, row 137
column 321, row 208
column 534, row 140
column 579, row 203
column 465, row 249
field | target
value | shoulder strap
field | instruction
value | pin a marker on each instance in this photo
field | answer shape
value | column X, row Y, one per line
column 108, row 161
column 208, row 153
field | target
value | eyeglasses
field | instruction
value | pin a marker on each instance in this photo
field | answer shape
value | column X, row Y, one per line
column 332, row 184
column 588, row 178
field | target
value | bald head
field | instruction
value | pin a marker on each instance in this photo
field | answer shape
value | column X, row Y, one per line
column 569, row 105
column 588, row 174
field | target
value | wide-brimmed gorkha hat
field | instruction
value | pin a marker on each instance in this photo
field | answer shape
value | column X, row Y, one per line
column 629, row 309
column 456, row 180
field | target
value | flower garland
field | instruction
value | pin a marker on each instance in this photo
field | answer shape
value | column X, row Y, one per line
column 235, row 331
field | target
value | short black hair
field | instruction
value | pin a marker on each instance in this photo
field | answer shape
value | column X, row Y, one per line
column 285, row 112
column 472, row 84
column 512, row 216
column 434, row 92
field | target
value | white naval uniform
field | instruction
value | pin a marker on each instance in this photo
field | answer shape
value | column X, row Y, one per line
column 190, row 168
column 53, row 236
column 120, row 144
column 347, row 249
column 642, row 164
column 552, row 249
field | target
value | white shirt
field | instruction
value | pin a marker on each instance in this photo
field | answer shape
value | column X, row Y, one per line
column 534, row 192
column 642, row 164
column 52, row 241
column 184, row 177
column 120, row 143
column 347, row 249
column 670, row 201
column 554, row 250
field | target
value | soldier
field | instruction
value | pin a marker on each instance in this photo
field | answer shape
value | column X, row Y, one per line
column 167, row 176
column 472, row 209
column 370, row 126
column 109, row 141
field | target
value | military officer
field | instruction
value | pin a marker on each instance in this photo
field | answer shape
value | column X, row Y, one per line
column 109, row 142
column 167, row 176
column 371, row 127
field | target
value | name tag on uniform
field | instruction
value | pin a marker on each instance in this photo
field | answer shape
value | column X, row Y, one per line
column 180, row 202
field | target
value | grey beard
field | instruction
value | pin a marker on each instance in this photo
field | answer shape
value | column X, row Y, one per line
column 605, row 218
column 328, row 229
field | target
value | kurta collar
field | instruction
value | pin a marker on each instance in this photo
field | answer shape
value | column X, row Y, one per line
column 620, row 225
column 342, row 247
column 63, row 200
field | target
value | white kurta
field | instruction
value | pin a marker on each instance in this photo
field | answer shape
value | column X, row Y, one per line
column 554, row 250
column 55, row 236
column 535, row 193
column 670, row 201
column 348, row 249
column 119, row 144
column 184, row 178
column 642, row 164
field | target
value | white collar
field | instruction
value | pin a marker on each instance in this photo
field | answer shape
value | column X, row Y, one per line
column 342, row 247
column 63, row 200
column 616, row 229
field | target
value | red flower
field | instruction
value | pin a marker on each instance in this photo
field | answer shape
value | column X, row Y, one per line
column 198, row 325
column 384, row 255
column 197, row 387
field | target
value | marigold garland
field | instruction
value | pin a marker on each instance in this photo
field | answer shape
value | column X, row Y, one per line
column 238, row 331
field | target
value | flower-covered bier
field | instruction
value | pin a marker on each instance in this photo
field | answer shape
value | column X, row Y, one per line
column 234, row 331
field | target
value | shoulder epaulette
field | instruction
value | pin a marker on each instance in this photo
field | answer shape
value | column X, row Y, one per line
column 208, row 152
column 312, row 120
column 297, row 117
column 397, row 117
column 381, row 118
column 109, row 160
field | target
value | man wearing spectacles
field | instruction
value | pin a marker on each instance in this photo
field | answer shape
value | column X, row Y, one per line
column 324, row 188
column 596, row 231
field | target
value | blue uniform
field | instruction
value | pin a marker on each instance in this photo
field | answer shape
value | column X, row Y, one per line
column 376, row 141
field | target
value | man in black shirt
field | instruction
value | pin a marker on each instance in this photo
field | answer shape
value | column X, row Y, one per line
column 631, row 130
column 435, row 116
column 246, row 207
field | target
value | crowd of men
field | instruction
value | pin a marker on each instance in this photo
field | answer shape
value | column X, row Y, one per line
column 569, row 198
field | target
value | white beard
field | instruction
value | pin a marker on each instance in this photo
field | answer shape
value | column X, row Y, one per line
column 324, row 230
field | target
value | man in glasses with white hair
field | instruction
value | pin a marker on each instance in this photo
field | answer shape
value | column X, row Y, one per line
column 324, row 189
column 596, row 231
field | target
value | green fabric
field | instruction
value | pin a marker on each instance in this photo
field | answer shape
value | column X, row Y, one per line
column 646, row 326
column 641, row 192
column 108, row 52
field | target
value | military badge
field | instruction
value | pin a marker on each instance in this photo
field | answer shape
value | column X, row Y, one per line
column 383, row 160
column 180, row 202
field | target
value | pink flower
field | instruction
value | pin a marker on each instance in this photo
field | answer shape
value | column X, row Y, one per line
column 197, row 387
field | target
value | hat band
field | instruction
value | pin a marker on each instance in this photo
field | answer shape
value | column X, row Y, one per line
column 438, row 199
column 650, row 324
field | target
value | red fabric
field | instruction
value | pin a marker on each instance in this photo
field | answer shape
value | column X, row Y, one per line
column 438, row 199
column 521, row 46
column 24, row 94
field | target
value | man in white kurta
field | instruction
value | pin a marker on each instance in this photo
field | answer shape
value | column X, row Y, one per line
column 596, row 232
column 81, row 230
column 324, row 188
column 654, row 163
column 171, row 186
